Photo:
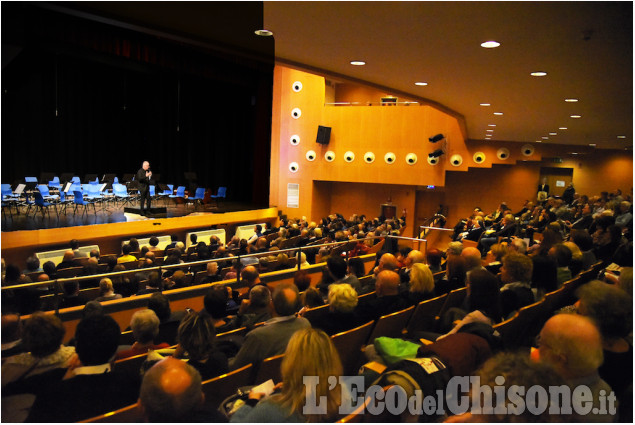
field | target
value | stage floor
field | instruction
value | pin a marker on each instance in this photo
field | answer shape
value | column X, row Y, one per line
column 111, row 214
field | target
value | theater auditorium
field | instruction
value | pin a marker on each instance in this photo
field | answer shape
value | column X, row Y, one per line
column 317, row 211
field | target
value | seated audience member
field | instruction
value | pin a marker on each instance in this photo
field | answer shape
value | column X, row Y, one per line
column 517, row 245
column 168, row 320
column 472, row 257
column 421, row 284
column 356, row 267
column 506, row 230
column 625, row 280
column 483, row 301
column 304, row 347
column 111, row 262
column 251, row 276
column 90, row 268
column 153, row 285
column 311, row 298
column 74, row 244
column 575, row 266
column 413, row 257
column 67, row 261
column 337, row 268
column 106, row 291
column 126, row 257
column 388, row 299
column 11, row 335
column 32, row 265
column 494, row 258
column 145, row 329
column 272, row 338
column 302, row 280
column 301, row 258
column 624, row 218
column 561, row 254
column 173, row 240
column 516, row 279
column 254, row 310
column 519, row 372
column 72, row 296
column 341, row 315
column 42, row 339
column 612, row 310
column 50, row 269
column 454, row 277
column 171, row 392
column 572, row 345
column 434, row 258
column 134, row 245
column 386, row 261
column 212, row 273
column 544, row 276
column 92, row 386
column 215, row 302
column 94, row 253
column 121, row 283
column 154, row 242
column 197, row 342
column 175, row 280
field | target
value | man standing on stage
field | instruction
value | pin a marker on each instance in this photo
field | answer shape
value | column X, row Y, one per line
column 143, row 180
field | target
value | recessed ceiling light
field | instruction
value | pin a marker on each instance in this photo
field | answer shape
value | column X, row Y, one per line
column 498, row 113
column 420, row 83
column 263, row 33
column 553, row 134
column 592, row 144
column 545, row 137
column 574, row 153
column 562, row 128
column 490, row 130
column 621, row 137
column 576, row 116
column 358, row 63
column 538, row 74
column 538, row 141
column 571, row 100
column 484, row 104
column 491, row 125
column 490, row 44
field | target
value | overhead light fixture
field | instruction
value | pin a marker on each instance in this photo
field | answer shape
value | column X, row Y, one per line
column 562, row 128
column 576, row 116
column 263, row 33
column 491, row 125
column 490, row 130
column 553, row 134
column 436, row 138
column 538, row 74
column 421, row 83
column 484, row 104
column 498, row 113
column 358, row 63
column 571, row 100
column 545, row 138
column 621, row 137
column 490, row 44
column 593, row 144
column 436, row 153
column 538, row 141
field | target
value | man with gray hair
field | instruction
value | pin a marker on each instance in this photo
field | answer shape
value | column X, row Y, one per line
column 145, row 327
column 572, row 345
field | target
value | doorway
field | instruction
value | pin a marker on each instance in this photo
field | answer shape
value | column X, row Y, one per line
column 557, row 178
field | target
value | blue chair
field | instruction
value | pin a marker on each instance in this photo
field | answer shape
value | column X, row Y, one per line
column 93, row 194
column 180, row 193
column 121, row 193
column 64, row 201
column 55, row 183
column 42, row 205
column 222, row 191
column 198, row 196
column 44, row 191
column 79, row 200
column 30, row 180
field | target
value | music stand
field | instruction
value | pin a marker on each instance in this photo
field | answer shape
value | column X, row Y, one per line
column 89, row 178
column 127, row 178
column 20, row 189
column 108, row 178
column 67, row 187
column 66, row 177
column 190, row 176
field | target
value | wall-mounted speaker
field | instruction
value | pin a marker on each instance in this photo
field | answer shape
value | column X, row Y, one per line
column 297, row 86
column 456, row 160
column 369, row 157
column 349, row 156
column 296, row 113
column 527, row 150
column 323, row 135
column 502, row 154
column 479, row 157
column 311, row 155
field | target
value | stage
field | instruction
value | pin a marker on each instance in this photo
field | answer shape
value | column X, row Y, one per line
column 108, row 228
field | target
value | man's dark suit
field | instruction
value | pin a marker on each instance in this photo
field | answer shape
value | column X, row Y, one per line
column 144, row 189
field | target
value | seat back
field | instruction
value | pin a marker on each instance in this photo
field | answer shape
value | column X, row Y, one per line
column 222, row 191
column 131, row 366
column 180, row 191
column 152, row 190
column 391, row 324
column 425, row 314
column 44, row 190
column 219, row 388
column 128, row 414
column 200, row 193
column 39, row 200
column 520, row 330
column 349, row 346
column 455, row 299
column 79, row 197
column 69, row 272
column 315, row 314
column 269, row 369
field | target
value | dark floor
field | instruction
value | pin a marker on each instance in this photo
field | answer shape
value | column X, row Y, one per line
column 109, row 214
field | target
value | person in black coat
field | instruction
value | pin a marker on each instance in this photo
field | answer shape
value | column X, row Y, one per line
column 142, row 178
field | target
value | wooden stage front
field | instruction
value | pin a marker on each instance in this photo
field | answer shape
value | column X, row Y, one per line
column 18, row 245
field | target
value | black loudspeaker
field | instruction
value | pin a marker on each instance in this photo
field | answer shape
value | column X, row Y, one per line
column 323, row 135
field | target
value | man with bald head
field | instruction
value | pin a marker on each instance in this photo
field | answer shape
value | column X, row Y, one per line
column 67, row 261
column 272, row 338
column 386, row 262
column 413, row 257
column 572, row 345
column 143, row 177
column 388, row 299
column 171, row 392
column 472, row 258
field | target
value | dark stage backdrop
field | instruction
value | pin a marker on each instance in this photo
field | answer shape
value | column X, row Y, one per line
column 86, row 97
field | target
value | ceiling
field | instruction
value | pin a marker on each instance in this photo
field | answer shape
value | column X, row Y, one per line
column 586, row 48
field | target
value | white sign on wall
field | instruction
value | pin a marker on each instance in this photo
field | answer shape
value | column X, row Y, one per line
column 559, row 183
column 293, row 195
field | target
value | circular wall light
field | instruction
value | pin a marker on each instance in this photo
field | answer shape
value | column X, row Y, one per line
column 479, row 157
column 296, row 113
column 456, row 160
column 369, row 157
column 433, row 160
column 297, row 86
column 349, row 156
column 502, row 154
column 390, row 158
column 294, row 167
column 329, row 156
column 294, row 140
column 527, row 150
column 411, row 159
column 311, row 155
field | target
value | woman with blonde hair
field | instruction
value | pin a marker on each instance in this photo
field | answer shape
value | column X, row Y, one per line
column 421, row 284
column 310, row 352
column 106, row 291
